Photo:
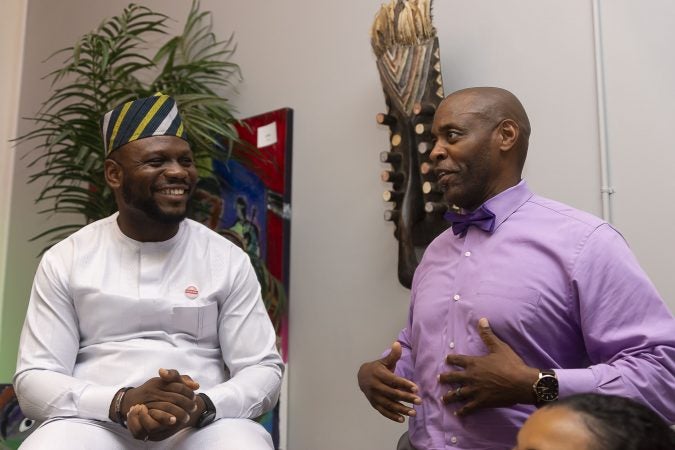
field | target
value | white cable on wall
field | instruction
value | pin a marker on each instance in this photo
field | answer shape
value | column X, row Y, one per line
column 606, row 189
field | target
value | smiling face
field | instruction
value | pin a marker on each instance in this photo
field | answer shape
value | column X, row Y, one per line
column 555, row 428
column 153, row 180
column 472, row 155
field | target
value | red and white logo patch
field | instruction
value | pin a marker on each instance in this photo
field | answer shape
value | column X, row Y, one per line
column 191, row 292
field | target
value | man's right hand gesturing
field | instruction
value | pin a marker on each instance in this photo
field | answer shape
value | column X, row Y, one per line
column 386, row 391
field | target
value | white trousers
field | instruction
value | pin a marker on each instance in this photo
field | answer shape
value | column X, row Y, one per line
column 82, row 434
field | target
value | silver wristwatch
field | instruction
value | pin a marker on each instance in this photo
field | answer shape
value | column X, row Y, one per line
column 546, row 387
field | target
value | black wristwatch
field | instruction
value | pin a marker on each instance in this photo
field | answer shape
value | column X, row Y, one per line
column 546, row 387
column 209, row 413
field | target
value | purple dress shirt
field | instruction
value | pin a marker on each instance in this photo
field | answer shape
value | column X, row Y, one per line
column 558, row 285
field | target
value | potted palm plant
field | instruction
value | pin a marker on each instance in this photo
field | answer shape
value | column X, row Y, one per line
column 109, row 66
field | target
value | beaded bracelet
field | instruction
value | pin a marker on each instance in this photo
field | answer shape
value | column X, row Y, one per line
column 118, row 406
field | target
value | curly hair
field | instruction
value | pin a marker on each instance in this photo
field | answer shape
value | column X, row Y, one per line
column 618, row 423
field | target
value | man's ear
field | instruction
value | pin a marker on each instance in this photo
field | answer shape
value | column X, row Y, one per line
column 508, row 134
column 113, row 173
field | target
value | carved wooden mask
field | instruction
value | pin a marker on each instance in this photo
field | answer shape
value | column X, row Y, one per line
column 408, row 60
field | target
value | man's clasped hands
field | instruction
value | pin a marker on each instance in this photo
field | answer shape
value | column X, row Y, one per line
column 162, row 406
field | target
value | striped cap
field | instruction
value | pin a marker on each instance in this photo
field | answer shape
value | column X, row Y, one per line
column 138, row 119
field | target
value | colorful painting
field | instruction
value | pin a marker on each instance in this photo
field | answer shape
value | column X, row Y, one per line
column 14, row 426
column 256, row 207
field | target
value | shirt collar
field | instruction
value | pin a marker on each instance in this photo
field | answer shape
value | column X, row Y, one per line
column 507, row 202
column 150, row 246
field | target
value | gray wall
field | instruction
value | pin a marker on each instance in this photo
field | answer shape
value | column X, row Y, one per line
column 314, row 56
column 640, row 74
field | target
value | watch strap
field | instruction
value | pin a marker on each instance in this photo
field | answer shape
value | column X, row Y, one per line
column 209, row 413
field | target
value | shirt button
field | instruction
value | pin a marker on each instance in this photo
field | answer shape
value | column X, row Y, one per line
column 456, row 297
column 467, row 253
column 453, row 440
column 452, row 345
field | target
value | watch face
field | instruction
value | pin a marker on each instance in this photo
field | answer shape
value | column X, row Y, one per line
column 547, row 388
column 206, row 419
column 209, row 413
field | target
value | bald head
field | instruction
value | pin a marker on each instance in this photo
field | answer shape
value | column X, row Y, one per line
column 495, row 105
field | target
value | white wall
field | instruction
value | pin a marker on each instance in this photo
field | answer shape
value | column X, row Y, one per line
column 543, row 52
column 45, row 32
column 314, row 56
column 640, row 74
column 11, row 54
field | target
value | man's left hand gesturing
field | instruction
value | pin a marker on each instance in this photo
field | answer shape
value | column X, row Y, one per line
column 498, row 379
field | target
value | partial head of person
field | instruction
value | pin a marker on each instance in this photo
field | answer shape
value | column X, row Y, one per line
column 149, row 166
column 481, row 136
column 595, row 422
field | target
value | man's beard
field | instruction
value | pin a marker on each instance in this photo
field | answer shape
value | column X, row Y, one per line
column 149, row 206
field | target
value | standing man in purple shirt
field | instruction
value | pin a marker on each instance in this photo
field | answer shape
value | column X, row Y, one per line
column 523, row 301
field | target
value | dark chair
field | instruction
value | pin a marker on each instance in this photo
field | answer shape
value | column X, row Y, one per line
column 404, row 443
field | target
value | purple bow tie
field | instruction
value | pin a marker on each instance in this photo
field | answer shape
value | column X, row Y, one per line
column 482, row 218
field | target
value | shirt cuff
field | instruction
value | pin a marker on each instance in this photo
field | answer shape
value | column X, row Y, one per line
column 95, row 402
column 224, row 398
column 575, row 381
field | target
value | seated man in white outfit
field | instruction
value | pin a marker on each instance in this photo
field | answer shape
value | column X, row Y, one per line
column 142, row 293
